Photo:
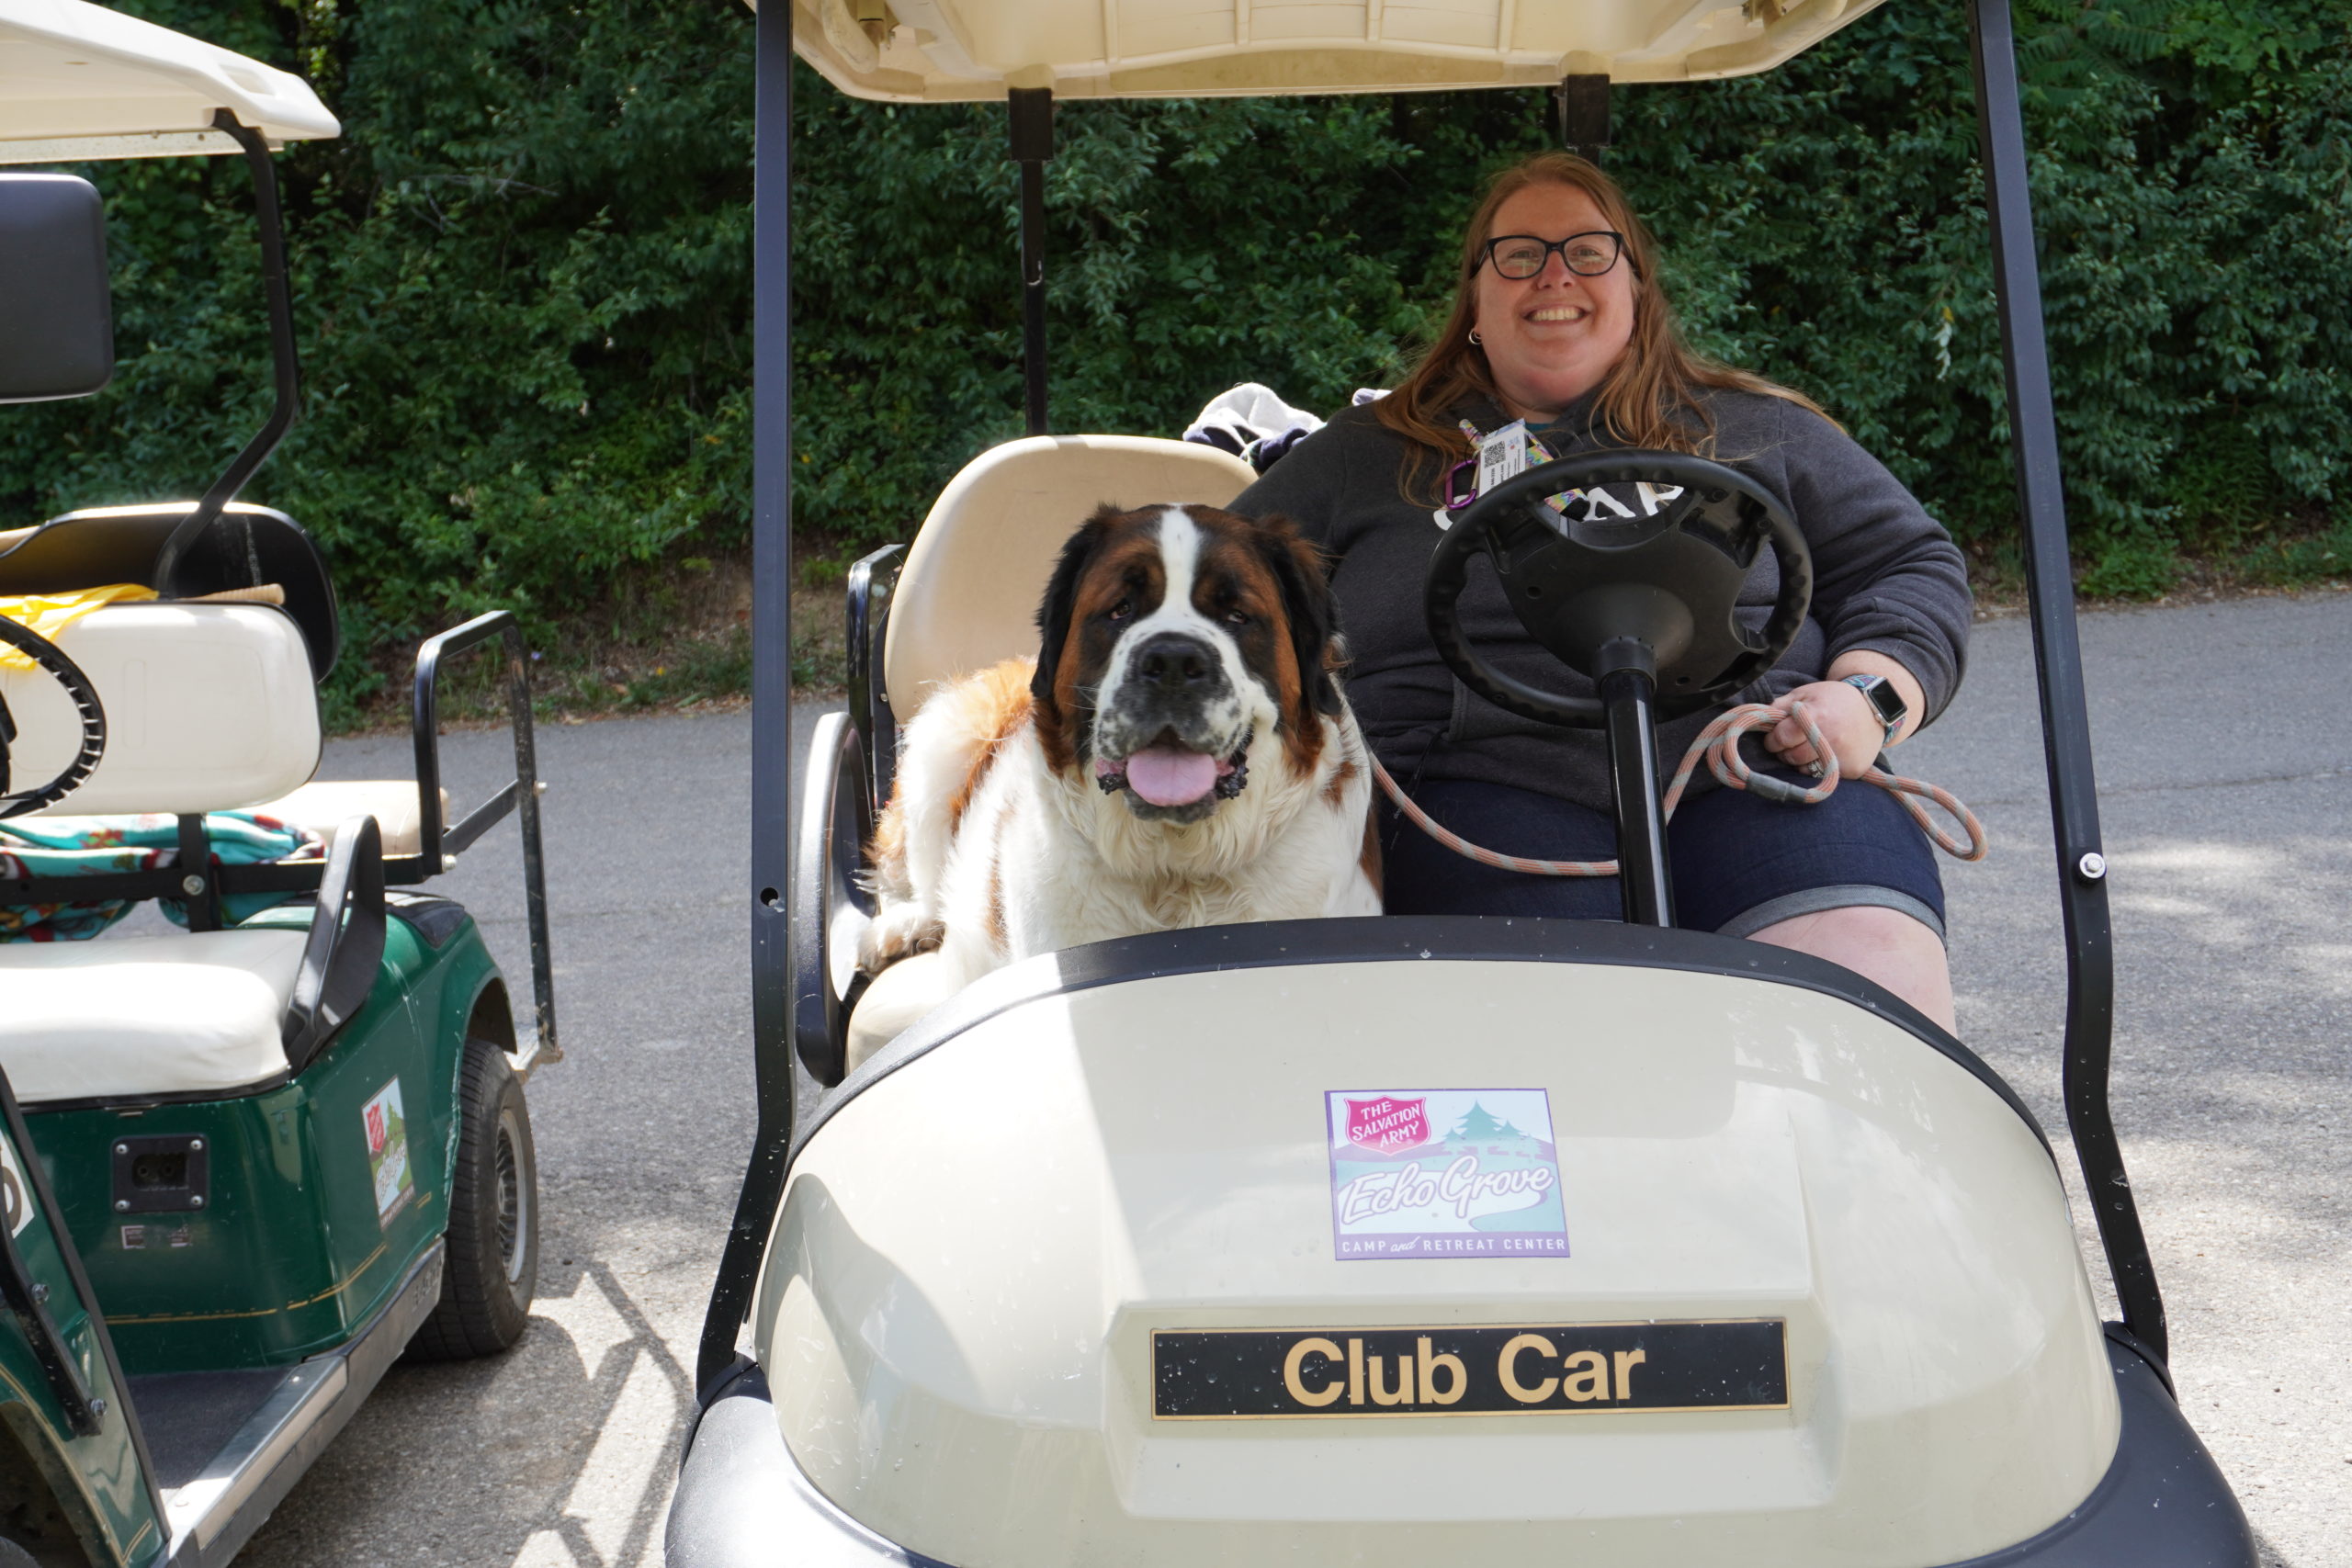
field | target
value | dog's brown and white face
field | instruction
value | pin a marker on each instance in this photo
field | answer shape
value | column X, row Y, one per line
column 1172, row 637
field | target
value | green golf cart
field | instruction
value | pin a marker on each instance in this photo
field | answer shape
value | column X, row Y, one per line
column 245, row 1165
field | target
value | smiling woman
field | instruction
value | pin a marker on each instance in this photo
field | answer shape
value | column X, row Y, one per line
column 1560, row 342
column 1553, row 316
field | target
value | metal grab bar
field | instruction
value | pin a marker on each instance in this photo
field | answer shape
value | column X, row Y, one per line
column 440, row 841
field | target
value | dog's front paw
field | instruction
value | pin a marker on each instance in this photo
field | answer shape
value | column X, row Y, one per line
column 899, row 932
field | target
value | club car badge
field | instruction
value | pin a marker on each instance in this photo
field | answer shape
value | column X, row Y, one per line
column 1444, row 1173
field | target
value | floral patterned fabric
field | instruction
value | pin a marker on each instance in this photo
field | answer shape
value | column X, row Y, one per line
column 92, row 846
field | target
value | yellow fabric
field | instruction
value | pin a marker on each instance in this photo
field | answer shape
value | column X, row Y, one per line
column 50, row 614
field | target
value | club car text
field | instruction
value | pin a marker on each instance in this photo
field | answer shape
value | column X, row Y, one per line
column 1488, row 1371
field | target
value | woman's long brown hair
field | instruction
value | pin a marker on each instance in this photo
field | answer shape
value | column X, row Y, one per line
column 1650, row 398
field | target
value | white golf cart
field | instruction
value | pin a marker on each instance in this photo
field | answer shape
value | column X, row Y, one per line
column 1675, row 1248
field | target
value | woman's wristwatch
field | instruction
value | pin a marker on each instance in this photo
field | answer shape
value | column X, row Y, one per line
column 1884, row 700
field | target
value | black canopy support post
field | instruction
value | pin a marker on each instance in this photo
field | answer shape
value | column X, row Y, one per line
column 1629, row 693
column 1580, row 108
column 2058, row 658
column 1031, row 112
column 755, row 1206
column 286, row 362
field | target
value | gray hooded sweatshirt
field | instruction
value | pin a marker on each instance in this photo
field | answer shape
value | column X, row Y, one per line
column 1887, row 577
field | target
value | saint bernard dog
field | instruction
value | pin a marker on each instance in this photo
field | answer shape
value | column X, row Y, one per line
column 1178, row 754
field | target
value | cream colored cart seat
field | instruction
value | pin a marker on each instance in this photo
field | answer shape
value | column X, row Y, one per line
column 204, row 703
column 198, row 1014
column 967, row 598
column 209, row 707
column 323, row 806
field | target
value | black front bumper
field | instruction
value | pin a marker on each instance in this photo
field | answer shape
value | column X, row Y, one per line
column 2163, row 1503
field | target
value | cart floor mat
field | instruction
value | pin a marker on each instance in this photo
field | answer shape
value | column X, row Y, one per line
column 189, row 1416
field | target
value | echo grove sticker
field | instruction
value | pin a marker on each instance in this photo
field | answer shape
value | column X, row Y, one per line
column 388, row 1149
column 1444, row 1173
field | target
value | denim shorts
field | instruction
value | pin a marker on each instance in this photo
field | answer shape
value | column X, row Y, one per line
column 1739, row 863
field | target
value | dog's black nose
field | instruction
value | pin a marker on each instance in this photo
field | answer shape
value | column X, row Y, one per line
column 1175, row 662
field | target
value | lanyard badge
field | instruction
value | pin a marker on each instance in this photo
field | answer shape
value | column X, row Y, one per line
column 1509, row 453
column 1504, row 455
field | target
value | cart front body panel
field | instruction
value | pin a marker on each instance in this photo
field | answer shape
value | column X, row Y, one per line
column 1268, row 1258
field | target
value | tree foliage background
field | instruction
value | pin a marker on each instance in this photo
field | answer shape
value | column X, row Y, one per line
column 524, row 281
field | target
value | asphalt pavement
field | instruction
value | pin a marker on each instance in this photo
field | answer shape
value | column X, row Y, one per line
column 2226, row 795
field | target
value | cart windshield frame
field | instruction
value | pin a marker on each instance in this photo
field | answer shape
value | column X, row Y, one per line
column 2065, row 720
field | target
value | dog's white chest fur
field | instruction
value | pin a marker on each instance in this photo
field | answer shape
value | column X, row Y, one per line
column 1288, row 854
column 1035, row 861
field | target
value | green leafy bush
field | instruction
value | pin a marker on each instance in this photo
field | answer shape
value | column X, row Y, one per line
column 523, row 290
column 523, row 280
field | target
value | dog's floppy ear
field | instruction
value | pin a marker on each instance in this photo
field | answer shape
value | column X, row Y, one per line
column 1060, row 603
column 1297, row 567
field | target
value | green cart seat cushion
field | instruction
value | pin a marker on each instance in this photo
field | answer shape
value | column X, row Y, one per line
column 131, row 1018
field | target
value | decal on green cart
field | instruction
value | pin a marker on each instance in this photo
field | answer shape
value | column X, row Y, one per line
column 388, row 1150
column 15, row 1197
column 1444, row 1173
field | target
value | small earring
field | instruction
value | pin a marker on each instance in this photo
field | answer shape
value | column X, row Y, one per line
column 1474, row 337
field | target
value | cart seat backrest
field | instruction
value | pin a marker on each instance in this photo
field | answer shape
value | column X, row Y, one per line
column 247, row 547
column 209, row 707
column 968, row 594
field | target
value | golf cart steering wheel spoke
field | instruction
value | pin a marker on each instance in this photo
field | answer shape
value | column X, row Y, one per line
column 1653, row 547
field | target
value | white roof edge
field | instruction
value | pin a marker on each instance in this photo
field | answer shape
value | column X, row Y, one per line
column 967, row 51
column 78, row 81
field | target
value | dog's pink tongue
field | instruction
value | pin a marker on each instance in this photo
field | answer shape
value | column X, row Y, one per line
column 1166, row 775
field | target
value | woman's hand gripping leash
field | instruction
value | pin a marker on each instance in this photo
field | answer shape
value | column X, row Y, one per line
column 1718, row 747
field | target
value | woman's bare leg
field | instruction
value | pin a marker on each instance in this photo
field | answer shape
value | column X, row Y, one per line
column 1878, row 943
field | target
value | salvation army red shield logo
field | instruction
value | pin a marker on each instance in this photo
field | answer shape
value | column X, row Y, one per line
column 1388, row 1124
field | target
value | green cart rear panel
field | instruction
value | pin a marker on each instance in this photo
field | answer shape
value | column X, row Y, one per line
column 242, row 1280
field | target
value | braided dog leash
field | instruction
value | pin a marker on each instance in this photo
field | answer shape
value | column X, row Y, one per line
column 1718, row 745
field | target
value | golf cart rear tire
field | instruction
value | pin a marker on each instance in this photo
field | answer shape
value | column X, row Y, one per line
column 492, row 1263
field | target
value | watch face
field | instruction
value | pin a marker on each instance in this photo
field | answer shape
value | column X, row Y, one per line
column 1886, row 701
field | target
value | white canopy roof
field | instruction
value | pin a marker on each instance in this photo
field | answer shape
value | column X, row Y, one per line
column 943, row 51
column 78, row 81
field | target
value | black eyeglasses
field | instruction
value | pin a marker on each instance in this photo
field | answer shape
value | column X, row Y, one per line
column 1521, row 256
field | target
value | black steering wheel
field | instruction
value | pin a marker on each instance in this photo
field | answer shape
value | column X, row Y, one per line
column 1654, row 549
column 68, row 675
